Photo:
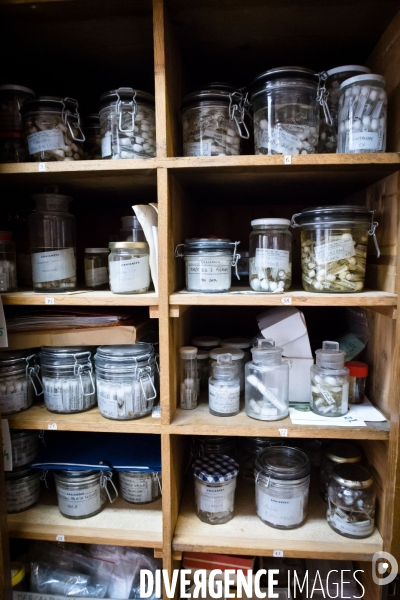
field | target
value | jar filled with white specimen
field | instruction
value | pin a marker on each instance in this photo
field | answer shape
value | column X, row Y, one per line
column 83, row 494
column 282, row 480
column 189, row 377
column 24, row 447
column 267, row 383
column 215, row 478
column 270, row 264
column 8, row 263
column 96, row 268
column 237, row 357
column 224, row 387
column 336, row 454
column 140, row 487
column 329, row 382
column 129, row 267
column 19, row 381
column 22, row 489
column 67, row 378
column 357, row 380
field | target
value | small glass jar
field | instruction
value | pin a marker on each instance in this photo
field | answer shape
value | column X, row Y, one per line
column 18, row 380
column 208, row 263
column 237, row 357
column 224, row 387
column 189, row 378
column 213, row 121
column 96, row 268
column 24, row 447
column 140, row 488
column 131, row 230
column 12, row 97
column 240, row 343
column 67, row 378
column 329, row 382
column 270, row 264
column 334, row 247
column 206, row 342
column 22, row 489
column 336, row 453
column 362, row 115
column 215, row 478
column 267, row 383
column 351, row 501
column 92, row 144
column 129, row 266
column 203, row 370
column 125, row 380
column 52, row 129
column 358, row 378
column 128, row 124
column 8, row 263
column 82, row 494
column 249, row 448
column 282, row 480
column 206, row 445
column 285, row 111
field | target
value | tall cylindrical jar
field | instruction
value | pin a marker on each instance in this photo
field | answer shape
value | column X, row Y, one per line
column 129, row 267
column 140, row 487
column 12, row 144
column 8, row 263
column 215, row 478
column 96, row 268
column 127, row 123
column 329, row 382
column 189, row 377
column 358, row 378
column 24, row 447
column 270, row 264
column 336, row 454
column 22, row 489
column 82, row 494
column 224, row 387
column 18, row 380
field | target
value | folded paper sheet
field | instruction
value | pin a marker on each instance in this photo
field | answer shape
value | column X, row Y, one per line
column 147, row 215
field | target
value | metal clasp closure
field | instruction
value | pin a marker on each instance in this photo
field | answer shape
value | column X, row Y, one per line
column 323, row 95
column 293, row 220
column 371, row 231
column 238, row 104
column 177, row 253
column 106, row 478
column 70, row 116
column 126, row 106
column 87, row 367
column 43, row 478
column 236, row 258
column 145, row 375
column 33, row 372
column 159, row 482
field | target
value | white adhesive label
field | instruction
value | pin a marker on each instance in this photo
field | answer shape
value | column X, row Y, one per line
column 21, row 495
column 287, row 301
column 283, row 432
column 360, row 528
column 210, row 274
column 197, row 148
column 96, row 276
column 278, row 142
column 60, row 538
column 49, row 139
column 279, row 511
column 269, row 258
column 129, row 275
column 333, row 251
column 106, row 146
column 277, row 553
column 53, row 266
column 49, row 301
column 123, row 401
column 215, row 499
column 52, row 426
column 364, row 140
column 224, row 399
column 136, row 489
column 80, row 502
column 42, row 167
column 286, row 161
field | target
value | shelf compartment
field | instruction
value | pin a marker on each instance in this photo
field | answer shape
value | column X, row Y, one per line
column 245, row 534
column 80, row 298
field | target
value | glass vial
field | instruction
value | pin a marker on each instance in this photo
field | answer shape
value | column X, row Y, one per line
column 358, row 378
column 224, row 388
column 329, row 382
column 270, row 264
column 189, row 377
column 96, row 268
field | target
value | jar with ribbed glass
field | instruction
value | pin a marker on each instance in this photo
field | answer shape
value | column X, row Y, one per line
column 215, row 483
column 270, row 264
column 129, row 267
column 83, row 494
column 8, row 263
column 24, row 447
column 336, row 454
column 140, row 487
column 19, row 381
column 22, row 489
column 96, row 268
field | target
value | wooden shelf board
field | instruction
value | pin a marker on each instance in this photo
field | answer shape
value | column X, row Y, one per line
column 80, row 298
column 38, row 417
column 247, row 534
column 120, row 523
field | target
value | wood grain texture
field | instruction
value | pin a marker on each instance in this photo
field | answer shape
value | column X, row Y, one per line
column 5, row 579
column 81, row 298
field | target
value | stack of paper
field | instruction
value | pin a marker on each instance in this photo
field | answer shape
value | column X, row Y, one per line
column 357, row 416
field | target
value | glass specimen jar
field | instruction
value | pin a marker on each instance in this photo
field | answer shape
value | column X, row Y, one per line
column 125, row 380
column 285, row 111
column 131, row 230
column 240, row 343
column 129, row 267
column 213, row 121
column 237, row 357
column 82, row 494
column 358, row 378
column 249, row 448
column 52, row 234
column 205, row 445
column 208, row 263
column 243, row 267
column 336, row 454
column 138, row 487
column 189, row 377
column 224, row 387
column 267, row 383
column 67, row 378
column 18, row 380
column 351, row 501
column 203, row 370
column 24, row 447
column 52, row 129
column 92, row 143
column 206, row 342
column 215, row 478
column 96, row 268
column 362, row 115
column 282, row 480
column 329, row 382
column 22, row 489
column 334, row 247
column 12, row 144
column 128, row 124
column 8, row 263
column 270, row 264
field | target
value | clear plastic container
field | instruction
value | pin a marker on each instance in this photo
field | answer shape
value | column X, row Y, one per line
column 358, row 379
column 22, row 489
column 282, row 480
column 189, row 377
column 129, row 266
column 82, row 494
column 127, row 122
column 92, row 144
column 270, row 264
column 131, row 230
column 267, row 383
column 329, row 382
column 96, row 268
column 351, row 501
column 206, row 342
column 224, row 387
column 362, row 115
column 18, row 380
column 334, row 247
column 215, row 478
column 8, row 263
column 336, row 453
column 238, row 358
column 140, row 488
column 24, row 447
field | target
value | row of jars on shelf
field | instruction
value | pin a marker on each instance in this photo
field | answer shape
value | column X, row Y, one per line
column 294, row 111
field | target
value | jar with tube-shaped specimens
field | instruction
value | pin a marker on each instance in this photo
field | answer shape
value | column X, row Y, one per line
column 215, row 478
column 8, row 263
column 67, row 378
column 362, row 115
column 96, row 268
column 224, row 387
column 329, row 382
column 140, row 487
column 334, row 243
column 213, row 121
column 189, row 377
column 22, row 489
column 129, row 267
column 125, row 380
column 24, row 447
column 336, row 454
column 83, row 494
column 267, row 383
column 19, row 381
column 270, row 265
column 92, row 143
column 127, row 123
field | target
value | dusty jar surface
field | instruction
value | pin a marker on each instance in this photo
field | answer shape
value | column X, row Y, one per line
column 24, row 447
column 129, row 267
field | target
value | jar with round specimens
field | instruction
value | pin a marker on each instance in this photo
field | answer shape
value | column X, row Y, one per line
column 329, row 382
column 270, row 266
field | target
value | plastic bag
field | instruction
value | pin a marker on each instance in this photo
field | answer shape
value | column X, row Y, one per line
column 50, row 579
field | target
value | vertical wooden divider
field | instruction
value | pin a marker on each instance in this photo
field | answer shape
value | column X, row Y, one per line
column 5, row 570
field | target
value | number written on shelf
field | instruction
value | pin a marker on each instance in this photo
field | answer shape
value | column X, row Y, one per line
column 283, row 432
column 287, row 159
column 52, row 426
column 286, row 300
column 61, row 538
column 49, row 301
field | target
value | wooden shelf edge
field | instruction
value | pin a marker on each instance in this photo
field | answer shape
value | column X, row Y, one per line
column 80, row 298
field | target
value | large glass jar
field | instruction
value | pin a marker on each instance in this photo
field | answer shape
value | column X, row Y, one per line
column 329, row 382
column 67, row 378
column 92, row 144
column 8, row 263
column 214, row 484
column 267, row 383
column 285, row 111
column 52, row 128
column 22, row 489
column 213, row 121
column 249, row 448
column 270, row 265
column 208, row 263
column 131, row 230
column 128, row 125
column 82, row 494
column 52, row 234
column 129, row 267
column 224, row 387
column 24, row 447
column 362, row 115
column 336, row 454
column 205, row 445
column 282, row 480
column 351, row 501
column 18, row 380
column 12, row 145
column 138, row 487
column 334, row 247
column 125, row 380
column 96, row 268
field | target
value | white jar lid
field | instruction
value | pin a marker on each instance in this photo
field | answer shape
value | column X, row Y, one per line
column 234, row 352
column 188, row 352
column 237, row 342
column 348, row 69
column 202, row 354
column 372, row 79
column 269, row 222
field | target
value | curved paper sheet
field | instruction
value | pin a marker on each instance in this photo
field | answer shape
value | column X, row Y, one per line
column 147, row 215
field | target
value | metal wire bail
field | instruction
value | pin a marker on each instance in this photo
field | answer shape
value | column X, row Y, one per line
column 238, row 104
column 145, row 374
column 322, row 97
column 73, row 117
column 235, row 259
column 33, row 372
column 371, row 231
column 177, row 254
column 86, row 368
column 132, row 108
column 106, row 478
column 43, row 477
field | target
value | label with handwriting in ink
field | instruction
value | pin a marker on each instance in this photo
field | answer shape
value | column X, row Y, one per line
column 224, row 399
column 333, row 251
column 364, row 140
column 49, row 301
column 49, row 139
column 42, row 167
column 208, row 274
column 129, row 275
column 60, row 538
column 80, row 502
column 270, row 258
column 283, row 432
column 137, row 490
column 287, row 159
column 52, row 426
column 278, row 553
column 96, row 276
column 278, row 510
column 215, row 499
column 286, row 300
column 277, row 140
column 53, row 265
column 197, row 148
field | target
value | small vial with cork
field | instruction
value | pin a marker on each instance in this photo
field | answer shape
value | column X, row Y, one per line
column 189, row 376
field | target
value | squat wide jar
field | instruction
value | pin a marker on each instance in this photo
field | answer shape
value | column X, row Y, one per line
column 140, row 487
column 129, row 266
column 270, row 265
column 82, row 494
column 18, row 371
column 215, row 478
